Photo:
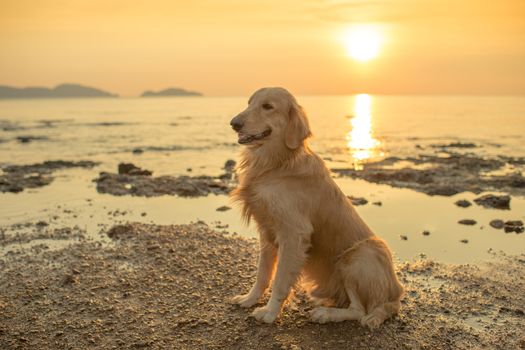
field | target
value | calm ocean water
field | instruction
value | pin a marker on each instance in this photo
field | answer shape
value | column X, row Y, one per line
column 180, row 133
column 177, row 133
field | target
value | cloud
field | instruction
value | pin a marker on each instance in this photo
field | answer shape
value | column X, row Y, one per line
column 406, row 11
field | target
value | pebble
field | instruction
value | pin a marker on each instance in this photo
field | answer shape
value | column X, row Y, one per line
column 514, row 226
column 493, row 201
column 223, row 208
column 132, row 169
column 463, row 203
column 497, row 224
column 358, row 200
column 41, row 224
column 469, row 222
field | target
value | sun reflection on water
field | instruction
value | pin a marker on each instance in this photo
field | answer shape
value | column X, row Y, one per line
column 361, row 142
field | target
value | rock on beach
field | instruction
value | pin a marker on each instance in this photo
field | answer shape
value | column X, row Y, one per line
column 469, row 222
column 132, row 180
column 16, row 178
column 494, row 201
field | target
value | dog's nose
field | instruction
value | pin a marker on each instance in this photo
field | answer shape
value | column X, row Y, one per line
column 236, row 123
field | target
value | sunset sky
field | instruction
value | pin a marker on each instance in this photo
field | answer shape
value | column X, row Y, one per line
column 233, row 47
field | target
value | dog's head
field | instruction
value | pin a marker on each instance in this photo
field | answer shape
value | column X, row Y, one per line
column 273, row 116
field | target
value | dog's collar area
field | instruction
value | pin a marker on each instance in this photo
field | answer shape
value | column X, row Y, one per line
column 247, row 138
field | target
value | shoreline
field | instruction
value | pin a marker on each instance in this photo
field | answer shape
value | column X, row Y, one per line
column 433, row 226
column 166, row 286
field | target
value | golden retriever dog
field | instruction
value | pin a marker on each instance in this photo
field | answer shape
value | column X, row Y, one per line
column 308, row 228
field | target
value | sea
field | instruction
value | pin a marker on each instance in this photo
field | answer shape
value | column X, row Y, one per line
column 192, row 136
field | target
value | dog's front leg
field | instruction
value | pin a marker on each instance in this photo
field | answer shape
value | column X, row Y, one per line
column 291, row 258
column 267, row 255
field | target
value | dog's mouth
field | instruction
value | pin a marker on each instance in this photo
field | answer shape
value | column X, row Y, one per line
column 245, row 139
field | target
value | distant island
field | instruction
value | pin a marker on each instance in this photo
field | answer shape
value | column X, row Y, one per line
column 59, row 91
column 170, row 92
column 80, row 91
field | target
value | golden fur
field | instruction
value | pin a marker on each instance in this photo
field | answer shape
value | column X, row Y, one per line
column 307, row 226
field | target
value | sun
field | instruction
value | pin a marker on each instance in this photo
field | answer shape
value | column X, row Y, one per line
column 363, row 42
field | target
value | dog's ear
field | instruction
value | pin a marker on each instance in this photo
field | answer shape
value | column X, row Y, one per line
column 298, row 128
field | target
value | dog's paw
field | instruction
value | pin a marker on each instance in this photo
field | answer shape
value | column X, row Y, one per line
column 320, row 314
column 265, row 314
column 371, row 321
column 244, row 300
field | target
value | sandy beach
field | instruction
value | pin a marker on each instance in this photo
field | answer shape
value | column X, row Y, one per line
column 156, row 287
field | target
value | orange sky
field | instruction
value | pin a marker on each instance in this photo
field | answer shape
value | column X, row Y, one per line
column 232, row 47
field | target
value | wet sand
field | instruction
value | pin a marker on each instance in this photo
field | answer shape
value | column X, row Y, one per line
column 156, row 286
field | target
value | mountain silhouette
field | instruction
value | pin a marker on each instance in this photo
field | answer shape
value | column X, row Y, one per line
column 170, row 92
column 60, row 91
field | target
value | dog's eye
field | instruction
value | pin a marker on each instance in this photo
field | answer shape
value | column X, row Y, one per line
column 267, row 106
